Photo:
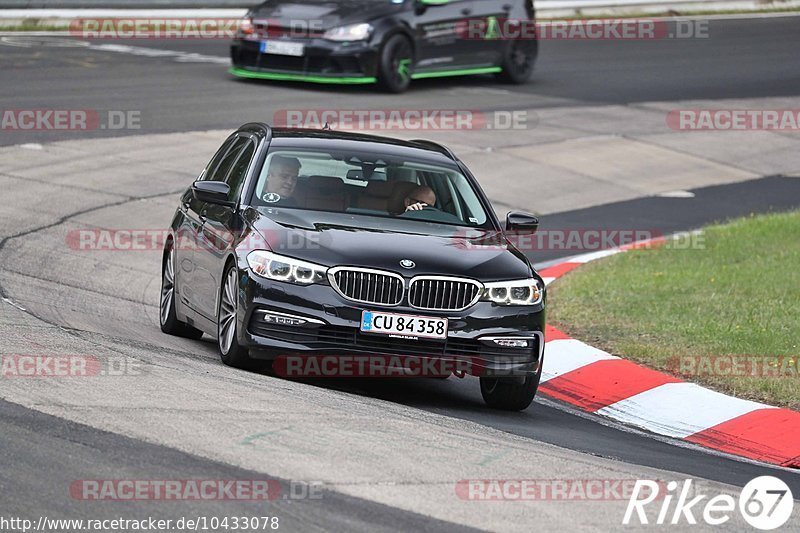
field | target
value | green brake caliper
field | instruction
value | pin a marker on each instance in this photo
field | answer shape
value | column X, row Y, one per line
column 402, row 68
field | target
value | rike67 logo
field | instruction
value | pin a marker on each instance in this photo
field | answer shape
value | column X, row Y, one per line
column 765, row 503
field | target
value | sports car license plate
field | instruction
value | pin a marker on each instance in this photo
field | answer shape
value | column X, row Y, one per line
column 282, row 48
column 403, row 325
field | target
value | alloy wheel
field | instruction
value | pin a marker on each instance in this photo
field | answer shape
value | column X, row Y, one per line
column 167, row 286
column 227, row 313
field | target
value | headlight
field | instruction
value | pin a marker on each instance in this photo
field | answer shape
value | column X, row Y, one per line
column 282, row 268
column 516, row 292
column 354, row 32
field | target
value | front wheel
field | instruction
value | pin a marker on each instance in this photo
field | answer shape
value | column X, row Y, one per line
column 509, row 394
column 231, row 352
column 395, row 62
column 518, row 60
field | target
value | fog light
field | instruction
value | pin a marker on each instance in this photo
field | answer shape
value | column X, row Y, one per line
column 281, row 319
column 511, row 343
column 519, row 343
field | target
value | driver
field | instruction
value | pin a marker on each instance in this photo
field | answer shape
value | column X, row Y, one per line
column 420, row 205
column 281, row 180
column 419, row 198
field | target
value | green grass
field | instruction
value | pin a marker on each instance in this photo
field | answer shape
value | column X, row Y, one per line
column 35, row 26
column 738, row 294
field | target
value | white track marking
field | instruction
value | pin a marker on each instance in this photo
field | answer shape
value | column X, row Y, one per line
column 676, row 194
column 678, row 409
column 566, row 355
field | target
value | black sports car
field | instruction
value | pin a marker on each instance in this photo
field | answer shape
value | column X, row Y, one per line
column 389, row 42
column 308, row 242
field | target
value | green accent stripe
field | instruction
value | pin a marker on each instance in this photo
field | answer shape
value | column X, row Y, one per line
column 356, row 80
column 457, row 72
column 342, row 80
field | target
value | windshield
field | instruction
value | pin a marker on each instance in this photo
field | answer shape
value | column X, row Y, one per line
column 368, row 184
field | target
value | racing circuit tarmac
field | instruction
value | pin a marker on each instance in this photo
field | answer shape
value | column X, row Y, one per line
column 387, row 454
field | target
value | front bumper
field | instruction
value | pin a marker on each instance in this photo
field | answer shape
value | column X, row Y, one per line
column 323, row 62
column 334, row 329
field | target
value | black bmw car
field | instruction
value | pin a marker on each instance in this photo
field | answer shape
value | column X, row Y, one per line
column 307, row 242
column 390, row 42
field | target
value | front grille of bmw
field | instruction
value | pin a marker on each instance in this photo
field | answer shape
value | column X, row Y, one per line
column 368, row 286
column 431, row 293
column 435, row 293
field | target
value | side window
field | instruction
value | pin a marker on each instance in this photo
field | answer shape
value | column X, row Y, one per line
column 237, row 174
column 219, row 173
column 214, row 163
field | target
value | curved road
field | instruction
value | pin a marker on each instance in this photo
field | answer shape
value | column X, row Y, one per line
column 739, row 59
column 185, row 415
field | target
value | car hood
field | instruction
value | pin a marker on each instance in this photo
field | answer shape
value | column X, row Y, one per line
column 332, row 239
column 323, row 14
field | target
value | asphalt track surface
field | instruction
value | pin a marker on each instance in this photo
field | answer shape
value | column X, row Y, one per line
column 739, row 59
column 745, row 58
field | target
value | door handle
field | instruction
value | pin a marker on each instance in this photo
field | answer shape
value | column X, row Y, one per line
column 466, row 11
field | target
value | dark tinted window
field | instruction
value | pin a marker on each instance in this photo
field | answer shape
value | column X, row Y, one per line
column 237, row 174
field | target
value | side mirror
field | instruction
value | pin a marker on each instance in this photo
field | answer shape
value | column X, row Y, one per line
column 212, row 192
column 522, row 222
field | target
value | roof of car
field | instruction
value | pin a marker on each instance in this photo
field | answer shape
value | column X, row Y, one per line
column 316, row 138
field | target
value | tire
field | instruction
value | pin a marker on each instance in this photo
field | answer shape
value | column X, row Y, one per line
column 230, row 351
column 167, row 317
column 518, row 60
column 395, row 64
column 509, row 394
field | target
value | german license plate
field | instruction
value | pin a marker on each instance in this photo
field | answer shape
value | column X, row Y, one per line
column 405, row 326
column 282, row 48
